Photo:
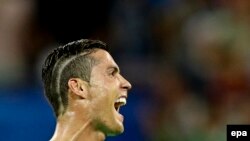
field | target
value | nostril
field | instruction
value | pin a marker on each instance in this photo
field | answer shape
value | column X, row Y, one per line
column 127, row 87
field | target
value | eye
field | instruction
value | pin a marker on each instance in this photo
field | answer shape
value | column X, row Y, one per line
column 113, row 73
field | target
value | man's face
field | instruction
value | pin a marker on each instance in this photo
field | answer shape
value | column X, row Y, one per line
column 108, row 91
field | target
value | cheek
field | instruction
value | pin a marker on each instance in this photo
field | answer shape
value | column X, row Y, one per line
column 102, row 106
column 99, row 80
column 102, row 95
column 103, row 89
column 104, row 82
column 105, row 97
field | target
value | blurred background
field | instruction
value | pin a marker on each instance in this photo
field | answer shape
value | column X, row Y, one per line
column 188, row 61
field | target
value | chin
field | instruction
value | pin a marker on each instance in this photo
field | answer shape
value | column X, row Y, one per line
column 119, row 129
column 115, row 133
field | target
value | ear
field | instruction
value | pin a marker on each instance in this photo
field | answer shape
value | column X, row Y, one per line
column 78, row 87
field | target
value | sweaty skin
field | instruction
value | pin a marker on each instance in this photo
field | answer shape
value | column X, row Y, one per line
column 91, row 114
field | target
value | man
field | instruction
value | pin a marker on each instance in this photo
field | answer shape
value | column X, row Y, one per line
column 85, row 88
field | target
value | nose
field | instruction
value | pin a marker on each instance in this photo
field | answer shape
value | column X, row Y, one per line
column 125, row 84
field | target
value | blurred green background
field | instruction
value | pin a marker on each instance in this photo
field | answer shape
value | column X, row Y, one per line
column 188, row 62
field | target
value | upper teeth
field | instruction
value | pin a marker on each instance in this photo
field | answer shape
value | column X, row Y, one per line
column 121, row 100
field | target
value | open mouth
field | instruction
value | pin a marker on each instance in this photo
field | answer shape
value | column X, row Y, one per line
column 121, row 101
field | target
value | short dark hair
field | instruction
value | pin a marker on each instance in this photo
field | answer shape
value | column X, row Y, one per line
column 69, row 61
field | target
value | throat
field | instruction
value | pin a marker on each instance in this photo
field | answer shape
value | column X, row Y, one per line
column 88, row 132
column 76, row 131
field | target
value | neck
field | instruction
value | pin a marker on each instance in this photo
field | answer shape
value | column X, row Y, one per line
column 70, row 128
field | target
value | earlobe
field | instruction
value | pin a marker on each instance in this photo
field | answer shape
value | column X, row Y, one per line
column 77, row 87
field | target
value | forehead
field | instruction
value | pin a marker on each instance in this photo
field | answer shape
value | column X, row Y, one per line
column 103, row 57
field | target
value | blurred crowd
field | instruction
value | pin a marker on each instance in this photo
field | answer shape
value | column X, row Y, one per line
column 187, row 59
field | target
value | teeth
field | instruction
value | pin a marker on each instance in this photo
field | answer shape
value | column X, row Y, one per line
column 121, row 100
